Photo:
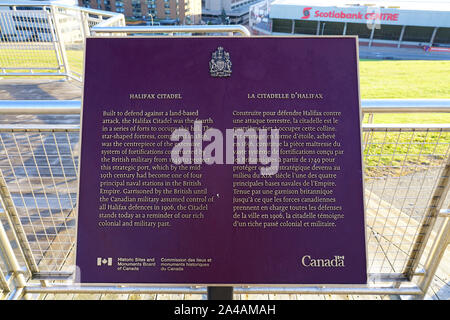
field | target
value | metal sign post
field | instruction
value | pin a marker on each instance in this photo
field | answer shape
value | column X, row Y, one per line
column 220, row 293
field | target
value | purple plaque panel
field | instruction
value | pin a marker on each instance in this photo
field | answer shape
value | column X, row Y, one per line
column 143, row 218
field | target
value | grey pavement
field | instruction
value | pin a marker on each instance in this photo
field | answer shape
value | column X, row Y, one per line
column 39, row 89
column 392, row 53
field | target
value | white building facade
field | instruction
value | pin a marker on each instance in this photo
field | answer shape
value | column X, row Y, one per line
column 395, row 23
column 236, row 10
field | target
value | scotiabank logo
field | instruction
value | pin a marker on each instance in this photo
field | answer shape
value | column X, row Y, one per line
column 369, row 15
column 306, row 12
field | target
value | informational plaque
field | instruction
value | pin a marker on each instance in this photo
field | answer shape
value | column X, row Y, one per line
column 221, row 160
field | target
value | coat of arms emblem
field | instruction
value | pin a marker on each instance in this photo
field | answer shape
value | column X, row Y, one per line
column 220, row 64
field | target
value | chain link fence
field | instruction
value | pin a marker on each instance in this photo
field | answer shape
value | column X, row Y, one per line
column 44, row 39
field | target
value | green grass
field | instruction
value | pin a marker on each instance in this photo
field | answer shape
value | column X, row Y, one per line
column 75, row 60
column 406, row 152
column 404, row 79
column 14, row 58
column 431, row 118
column 378, row 79
column 401, row 153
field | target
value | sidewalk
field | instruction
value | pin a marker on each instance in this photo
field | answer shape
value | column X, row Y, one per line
column 39, row 89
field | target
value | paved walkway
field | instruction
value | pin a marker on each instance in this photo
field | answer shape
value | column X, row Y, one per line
column 393, row 53
column 39, row 89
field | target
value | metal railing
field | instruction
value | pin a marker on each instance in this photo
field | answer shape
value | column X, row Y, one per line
column 407, row 169
column 173, row 30
column 46, row 39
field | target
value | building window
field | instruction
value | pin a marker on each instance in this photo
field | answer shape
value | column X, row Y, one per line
column 331, row 28
column 359, row 29
column 136, row 8
column 87, row 3
column 119, row 6
column 418, row 34
column 282, row 25
column 305, row 27
column 107, row 4
column 442, row 36
column 388, row 32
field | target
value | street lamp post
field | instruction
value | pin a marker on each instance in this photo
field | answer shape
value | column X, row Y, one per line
column 151, row 17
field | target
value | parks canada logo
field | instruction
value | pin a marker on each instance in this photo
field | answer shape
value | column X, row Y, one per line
column 335, row 262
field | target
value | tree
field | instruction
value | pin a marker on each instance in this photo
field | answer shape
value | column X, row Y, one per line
column 223, row 16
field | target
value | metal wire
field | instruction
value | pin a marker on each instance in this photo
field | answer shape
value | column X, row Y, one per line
column 40, row 170
column 4, row 287
column 402, row 169
column 33, row 42
column 28, row 42
column 47, row 39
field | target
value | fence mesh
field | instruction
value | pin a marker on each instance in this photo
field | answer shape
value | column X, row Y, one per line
column 401, row 170
column 28, row 41
column 3, row 283
column 3, row 267
column 40, row 170
column 46, row 39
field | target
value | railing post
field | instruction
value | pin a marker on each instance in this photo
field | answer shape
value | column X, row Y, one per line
column 428, row 222
column 11, row 213
column 55, row 40
column 84, row 16
column 434, row 258
column 4, row 286
column 60, row 42
column 12, row 264
column 220, row 293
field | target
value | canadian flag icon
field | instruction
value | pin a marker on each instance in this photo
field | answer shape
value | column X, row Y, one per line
column 104, row 261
